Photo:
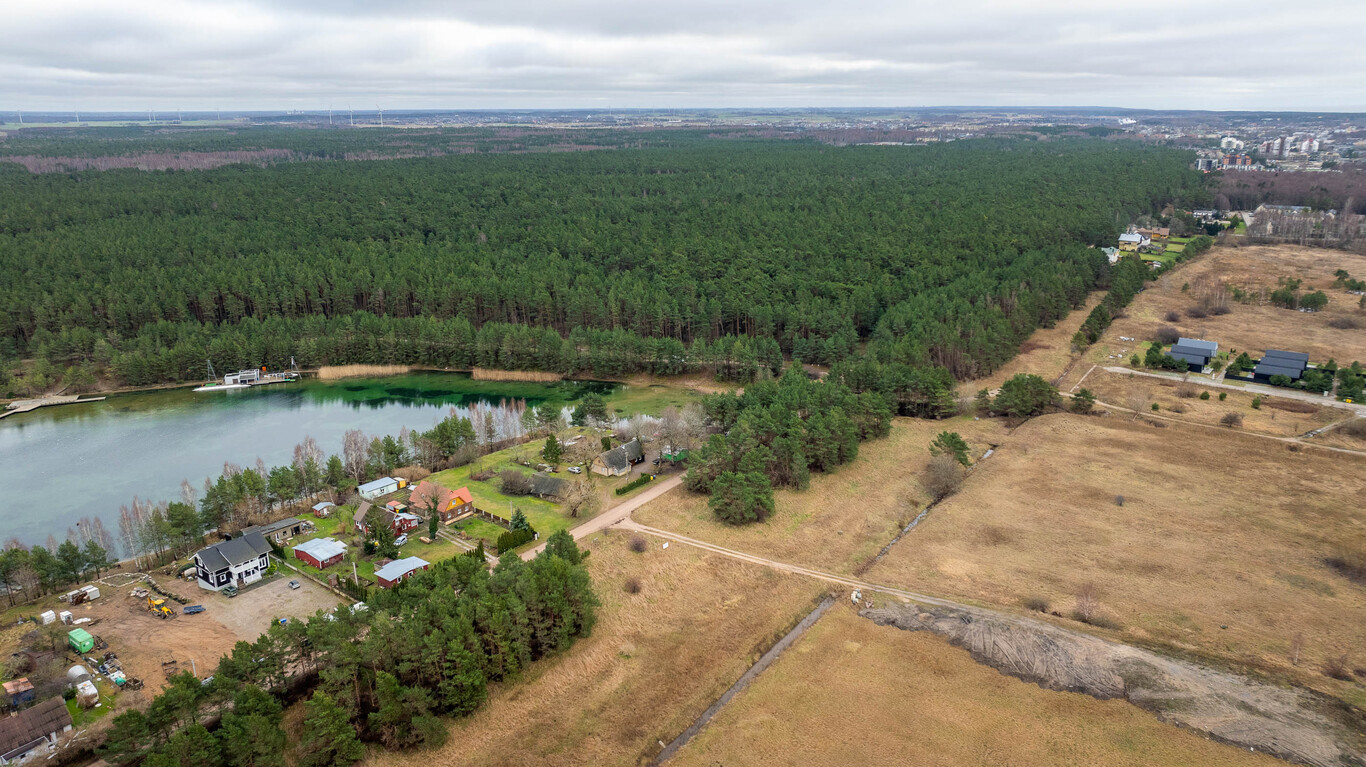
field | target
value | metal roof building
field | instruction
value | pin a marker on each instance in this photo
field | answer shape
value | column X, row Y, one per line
column 1195, row 352
column 1276, row 362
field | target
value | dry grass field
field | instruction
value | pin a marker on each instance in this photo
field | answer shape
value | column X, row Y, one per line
column 1252, row 327
column 1219, row 547
column 1278, row 416
column 843, row 519
column 852, row 692
column 1047, row 353
column 655, row 661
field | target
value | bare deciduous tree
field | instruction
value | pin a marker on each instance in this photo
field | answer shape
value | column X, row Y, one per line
column 354, row 448
column 942, row 476
column 1087, row 603
column 581, row 497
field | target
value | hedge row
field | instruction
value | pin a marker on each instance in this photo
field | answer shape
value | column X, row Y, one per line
column 514, row 538
column 635, row 483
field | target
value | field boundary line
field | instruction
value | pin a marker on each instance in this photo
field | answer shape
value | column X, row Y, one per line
column 745, row 679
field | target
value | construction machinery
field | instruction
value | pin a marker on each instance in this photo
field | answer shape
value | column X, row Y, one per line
column 158, row 606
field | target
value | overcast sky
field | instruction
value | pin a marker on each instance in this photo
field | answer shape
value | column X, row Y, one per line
column 470, row 54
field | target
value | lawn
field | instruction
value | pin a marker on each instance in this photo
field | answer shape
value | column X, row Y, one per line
column 1220, row 546
column 852, row 692
column 655, row 660
column 545, row 517
column 649, row 398
column 81, row 717
column 364, row 566
column 843, row 519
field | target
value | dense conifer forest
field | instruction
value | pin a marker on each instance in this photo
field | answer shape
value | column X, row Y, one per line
column 670, row 252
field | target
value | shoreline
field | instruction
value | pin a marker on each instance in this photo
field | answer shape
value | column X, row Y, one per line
column 313, row 374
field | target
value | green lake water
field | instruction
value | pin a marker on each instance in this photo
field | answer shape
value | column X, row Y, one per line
column 60, row 464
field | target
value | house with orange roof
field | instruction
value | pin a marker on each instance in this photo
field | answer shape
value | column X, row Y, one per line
column 447, row 504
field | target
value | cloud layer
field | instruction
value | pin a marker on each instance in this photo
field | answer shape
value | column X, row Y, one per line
column 469, row 54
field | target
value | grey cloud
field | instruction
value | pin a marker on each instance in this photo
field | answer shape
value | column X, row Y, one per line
column 519, row 53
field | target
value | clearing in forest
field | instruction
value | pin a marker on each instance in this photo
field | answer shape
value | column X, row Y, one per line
column 1214, row 542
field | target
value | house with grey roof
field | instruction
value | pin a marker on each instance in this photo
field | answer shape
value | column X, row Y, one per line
column 1276, row 362
column 33, row 731
column 237, row 562
column 546, row 486
column 280, row 531
column 617, row 462
column 1196, row 353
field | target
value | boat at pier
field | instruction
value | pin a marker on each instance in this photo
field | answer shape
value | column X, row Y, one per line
column 245, row 379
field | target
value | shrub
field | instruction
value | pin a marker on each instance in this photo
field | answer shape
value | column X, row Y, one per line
column 1135, row 360
column 1220, row 310
column 1344, row 323
column 1350, row 561
column 513, row 482
column 1087, row 603
column 1037, row 604
column 637, row 544
column 1223, row 395
column 1196, row 313
column 1167, row 335
column 1119, row 500
column 1083, row 401
column 635, row 483
column 1354, row 428
column 1156, row 407
column 1204, row 395
column 1172, row 316
column 942, row 477
column 1185, row 391
column 1232, row 420
column 1256, row 403
column 1177, row 408
column 632, row 586
column 514, row 538
column 1338, row 668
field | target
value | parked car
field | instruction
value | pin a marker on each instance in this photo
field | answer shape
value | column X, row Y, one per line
column 294, row 584
column 402, row 539
column 229, row 591
column 655, row 462
column 575, row 470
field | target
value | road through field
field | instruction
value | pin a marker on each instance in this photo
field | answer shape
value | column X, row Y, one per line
column 1269, row 391
column 615, row 514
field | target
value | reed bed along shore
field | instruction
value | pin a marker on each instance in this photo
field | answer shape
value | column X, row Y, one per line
column 536, row 376
column 331, row 372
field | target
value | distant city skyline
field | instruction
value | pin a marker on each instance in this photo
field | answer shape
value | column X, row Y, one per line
column 516, row 54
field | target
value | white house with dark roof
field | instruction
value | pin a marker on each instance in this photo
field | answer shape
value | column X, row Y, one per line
column 237, row 562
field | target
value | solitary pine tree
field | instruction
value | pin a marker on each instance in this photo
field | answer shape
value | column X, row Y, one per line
column 951, row 444
column 518, row 521
column 551, row 451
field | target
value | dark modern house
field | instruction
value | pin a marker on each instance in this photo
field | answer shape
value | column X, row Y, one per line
column 237, row 562
column 1279, row 363
column 1194, row 352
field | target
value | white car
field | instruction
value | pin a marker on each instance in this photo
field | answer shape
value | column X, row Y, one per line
column 575, row 470
column 402, row 539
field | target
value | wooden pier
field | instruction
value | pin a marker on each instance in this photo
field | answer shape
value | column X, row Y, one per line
column 26, row 405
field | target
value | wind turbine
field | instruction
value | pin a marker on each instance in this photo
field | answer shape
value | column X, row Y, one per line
column 381, row 116
column 353, row 115
column 150, row 119
column 178, row 118
column 21, row 116
column 329, row 114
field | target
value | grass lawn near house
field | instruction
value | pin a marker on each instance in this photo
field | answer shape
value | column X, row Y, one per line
column 80, row 717
column 649, row 399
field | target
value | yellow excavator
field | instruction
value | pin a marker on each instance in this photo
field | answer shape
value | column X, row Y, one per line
column 159, row 607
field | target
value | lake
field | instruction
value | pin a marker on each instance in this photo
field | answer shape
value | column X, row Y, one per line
column 60, row 464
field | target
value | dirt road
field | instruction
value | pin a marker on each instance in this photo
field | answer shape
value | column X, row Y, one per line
column 616, row 514
column 1269, row 391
